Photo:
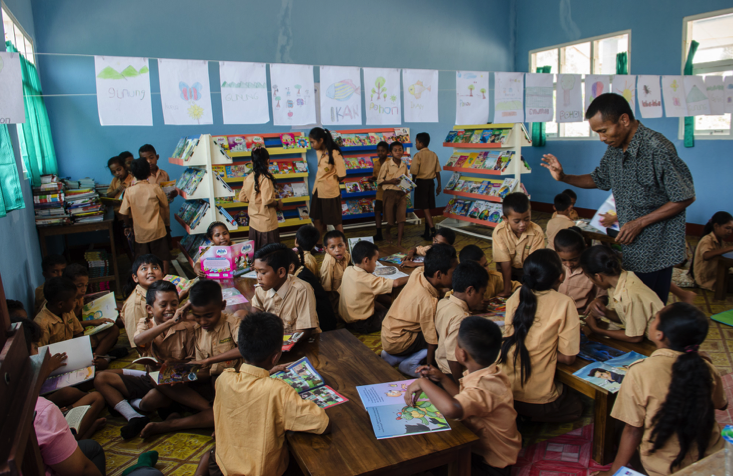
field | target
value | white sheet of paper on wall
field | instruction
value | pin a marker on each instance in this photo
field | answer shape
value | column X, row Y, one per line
column 472, row 97
column 696, row 96
column 12, row 108
column 341, row 95
column 716, row 94
column 673, row 92
column 293, row 94
column 508, row 97
column 538, row 97
column 595, row 85
column 185, row 92
column 728, row 88
column 420, row 88
column 569, row 98
column 382, row 96
column 244, row 96
column 625, row 85
column 123, row 91
column 649, row 95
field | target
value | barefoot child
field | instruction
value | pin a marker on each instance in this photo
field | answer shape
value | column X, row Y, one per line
column 395, row 200
column 334, row 264
column 495, row 285
column 704, row 266
column 569, row 245
column 425, row 169
column 560, row 220
column 382, row 154
column 258, row 190
column 326, row 200
column 146, row 270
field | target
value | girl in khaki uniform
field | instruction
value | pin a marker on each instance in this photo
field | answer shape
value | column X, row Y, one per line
column 258, row 190
column 704, row 266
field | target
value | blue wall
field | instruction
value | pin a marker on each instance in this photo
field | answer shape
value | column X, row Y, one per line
column 469, row 35
column 656, row 48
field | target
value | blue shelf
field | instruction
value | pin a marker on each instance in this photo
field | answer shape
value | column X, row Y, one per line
column 359, row 171
column 346, row 196
column 358, row 148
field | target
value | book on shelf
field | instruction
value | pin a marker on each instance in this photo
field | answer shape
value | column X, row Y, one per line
column 280, row 217
column 284, row 190
column 299, row 189
column 388, row 137
column 485, row 136
column 301, row 167
column 238, row 171
column 190, row 179
column 221, row 201
column 451, row 135
column 193, row 211
column 449, row 208
column 476, row 208
column 227, row 217
column 352, row 187
column 274, row 168
column 344, row 208
column 507, row 187
column 252, row 141
column 221, row 141
column 221, row 262
column 478, row 163
column 303, row 213
column 458, row 137
column 353, row 207
column 288, row 141
column 237, row 144
column 286, row 168
column 452, row 159
column 368, row 185
column 223, row 183
column 179, row 148
column 476, row 137
column 461, row 160
column 303, row 377
column 471, row 159
column 303, row 142
column 452, row 181
column 79, row 362
column 609, row 374
column 467, row 136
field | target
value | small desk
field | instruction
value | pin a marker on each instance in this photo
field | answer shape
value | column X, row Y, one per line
column 713, row 464
column 104, row 225
column 352, row 448
column 721, row 283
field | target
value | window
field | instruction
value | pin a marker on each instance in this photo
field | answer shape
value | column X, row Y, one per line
column 714, row 57
column 591, row 56
column 17, row 35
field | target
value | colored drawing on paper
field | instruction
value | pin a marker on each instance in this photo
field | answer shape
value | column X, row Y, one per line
column 129, row 72
column 472, row 105
column 382, row 104
column 342, row 90
column 417, row 89
column 244, row 97
column 508, row 97
column 421, row 95
column 123, row 91
column 567, row 84
column 341, row 99
column 569, row 98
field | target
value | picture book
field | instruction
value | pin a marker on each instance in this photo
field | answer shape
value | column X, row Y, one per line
column 510, row 155
column 274, row 168
column 406, row 185
column 467, row 136
column 344, row 208
column 402, row 134
column 79, row 364
column 474, row 187
column 609, row 374
column 595, row 351
column 502, row 161
column 388, row 137
column 286, row 168
column 624, row 471
column 222, row 141
column 232, row 295
column 254, row 141
column 490, row 161
column 302, row 142
column 476, row 137
column 453, row 180
column 480, row 159
column 351, row 163
column 507, row 187
column 101, row 307
column 219, row 170
column 299, row 189
column 179, row 147
column 353, row 207
column 338, row 138
column 485, row 185
column 504, row 136
column 303, row 377
column 221, row 262
column 477, row 207
column 301, row 167
column 391, row 417
column 368, row 185
column 74, row 417
column 452, row 159
column 182, row 284
column 494, row 190
column 280, row 217
column 354, row 241
column 303, row 213
column 459, row 207
column 288, row 141
column 449, row 207
column 177, row 372
column 458, row 187
column 374, row 138
column 237, row 144
column 396, row 258
column 609, row 206
column 449, row 138
column 352, row 187
column 495, row 213
column 286, row 191
column 237, row 171
column 241, row 217
column 485, row 211
column 458, row 138
column 289, row 340
column 471, row 159
column 486, row 136
column 461, row 160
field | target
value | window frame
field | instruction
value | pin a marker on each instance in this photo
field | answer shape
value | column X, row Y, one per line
column 26, row 37
column 559, row 47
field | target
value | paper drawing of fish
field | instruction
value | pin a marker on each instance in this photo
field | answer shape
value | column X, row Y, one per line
column 342, row 90
column 417, row 89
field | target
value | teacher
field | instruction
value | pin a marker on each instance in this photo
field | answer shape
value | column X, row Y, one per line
column 652, row 187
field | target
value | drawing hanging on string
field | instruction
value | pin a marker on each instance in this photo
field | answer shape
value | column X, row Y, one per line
column 595, row 85
column 421, row 95
column 696, row 96
column 728, row 89
column 472, row 103
column 244, row 97
column 673, row 92
column 649, row 95
column 625, row 85
column 123, row 91
column 382, row 96
column 293, row 95
column 508, row 97
column 569, row 98
column 12, row 107
column 185, row 92
column 341, row 95
column 538, row 97
column 716, row 94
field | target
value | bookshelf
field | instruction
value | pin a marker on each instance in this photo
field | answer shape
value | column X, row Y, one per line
column 516, row 139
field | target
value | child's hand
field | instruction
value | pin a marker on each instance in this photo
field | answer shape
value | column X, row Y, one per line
column 591, row 323
column 200, row 273
column 58, row 361
column 431, row 372
column 597, row 309
column 413, row 393
column 180, row 312
column 278, row 368
column 128, row 232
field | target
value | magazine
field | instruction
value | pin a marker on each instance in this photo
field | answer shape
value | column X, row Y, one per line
column 79, row 364
column 303, row 377
column 609, row 374
column 221, row 262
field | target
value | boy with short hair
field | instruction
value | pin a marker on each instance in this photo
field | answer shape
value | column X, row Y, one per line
column 441, row 235
column 334, row 264
column 146, row 270
column 515, row 238
column 53, row 267
column 16, row 309
column 56, row 318
column 495, row 285
column 382, row 155
column 482, row 400
column 561, row 219
column 324, row 310
column 424, row 169
column 286, row 296
column 365, row 298
column 569, row 245
column 573, row 198
column 306, row 239
column 469, row 285
column 128, row 158
column 157, row 175
column 395, row 200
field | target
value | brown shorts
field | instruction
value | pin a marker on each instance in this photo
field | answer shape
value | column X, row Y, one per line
column 157, row 247
column 425, row 194
column 378, row 206
column 262, row 238
column 137, row 386
column 395, row 206
column 326, row 210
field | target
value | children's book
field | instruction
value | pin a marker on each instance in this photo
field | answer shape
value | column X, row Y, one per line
column 353, row 207
column 475, row 209
column 222, row 141
column 179, row 147
column 449, row 138
column 286, row 191
column 474, row 187
column 221, row 262
column 302, row 376
column 301, row 167
column 609, row 206
column 182, row 284
column 485, row 211
column 237, row 144
column 471, row 159
column 289, row 340
column 344, row 208
column 495, row 213
column 391, row 418
column 74, row 416
column 452, row 159
column 303, row 143
column 253, row 141
column 507, row 187
column 449, row 207
column 177, row 372
column 453, row 180
column 461, row 160
column 476, row 137
column 402, row 134
column 406, row 185
column 467, row 137
column 79, row 364
column 100, row 308
column 232, row 295
column 485, row 136
column 624, row 471
column 354, row 241
column 274, row 168
column 352, row 187
column 388, row 137
column 480, row 159
column 491, row 158
column 509, row 154
column 288, row 141
column 458, row 138
column 280, row 217
column 299, row 189
column 303, row 213
column 609, row 374
column 595, row 351
column 485, row 186
column 219, row 170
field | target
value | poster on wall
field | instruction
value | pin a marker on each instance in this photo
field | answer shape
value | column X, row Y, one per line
column 382, row 96
column 625, row 85
column 508, row 97
column 341, row 98
column 728, row 88
column 716, row 94
column 595, row 85
column 538, row 97
column 472, row 100
column 649, row 94
column 696, row 96
column 569, row 98
column 185, row 92
column 12, row 109
column 293, row 96
column 673, row 92
column 244, row 97
column 420, row 87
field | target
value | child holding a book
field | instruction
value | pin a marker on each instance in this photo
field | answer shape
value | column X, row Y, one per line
column 382, row 155
column 482, row 399
column 425, row 169
column 218, row 234
column 334, row 264
column 569, row 245
column 146, row 270
column 495, row 284
column 52, row 266
column 704, row 265
column 395, row 199
column 306, row 239
column 258, row 190
column 542, row 328
column 324, row 309
column 573, row 215
column 561, row 219
column 326, row 200
column 515, row 238
column 442, row 235
column 122, row 177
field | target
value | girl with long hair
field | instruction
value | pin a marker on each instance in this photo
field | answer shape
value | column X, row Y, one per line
column 704, row 267
column 258, row 190
column 326, row 201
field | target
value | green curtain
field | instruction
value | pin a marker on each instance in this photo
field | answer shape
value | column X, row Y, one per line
column 622, row 63
column 690, row 121
column 36, row 145
column 11, row 196
column 539, row 137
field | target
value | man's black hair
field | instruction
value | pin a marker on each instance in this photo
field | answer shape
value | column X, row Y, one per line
column 481, row 338
column 439, row 257
column 611, row 106
column 160, row 286
column 516, row 202
column 205, row 292
column 260, row 337
column 471, row 253
column 469, row 273
column 363, row 249
column 275, row 255
column 140, row 169
column 562, row 202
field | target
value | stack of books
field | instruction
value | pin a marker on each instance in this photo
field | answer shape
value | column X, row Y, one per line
column 190, row 180
column 83, row 204
column 98, row 264
column 48, row 202
column 193, row 211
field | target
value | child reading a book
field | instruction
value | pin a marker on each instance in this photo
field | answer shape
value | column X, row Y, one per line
column 382, row 153
column 258, row 190
column 515, row 238
column 482, row 398
column 122, row 177
column 395, row 199
column 573, row 215
column 409, row 326
column 326, row 200
column 334, row 264
column 704, row 267
column 561, row 219
column 364, row 297
column 629, row 301
column 495, row 285
column 569, row 245
column 668, row 400
column 218, row 234
column 52, row 266
column 145, row 205
column 128, row 158
column 282, row 294
column 305, row 240
column 146, row 270
column 273, row 407
column 542, row 329
column 425, row 169
column 469, row 285
column 442, row 235
column 324, row 309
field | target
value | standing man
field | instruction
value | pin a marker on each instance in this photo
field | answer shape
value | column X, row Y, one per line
column 652, row 187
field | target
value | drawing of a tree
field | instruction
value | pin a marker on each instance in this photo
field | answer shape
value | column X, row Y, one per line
column 374, row 91
column 277, row 98
column 471, row 87
column 483, row 92
column 379, row 83
column 298, row 87
column 393, row 98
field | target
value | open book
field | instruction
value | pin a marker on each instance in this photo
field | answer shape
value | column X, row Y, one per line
column 179, row 372
column 391, row 418
column 75, row 415
column 309, row 384
column 289, row 340
column 100, row 308
column 609, row 374
column 609, row 206
column 79, row 364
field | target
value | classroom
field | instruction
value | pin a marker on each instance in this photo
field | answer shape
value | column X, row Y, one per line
column 407, row 237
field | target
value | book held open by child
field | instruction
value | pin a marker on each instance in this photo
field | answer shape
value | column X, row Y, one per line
column 79, row 364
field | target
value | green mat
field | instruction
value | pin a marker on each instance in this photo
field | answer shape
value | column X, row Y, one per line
column 724, row 317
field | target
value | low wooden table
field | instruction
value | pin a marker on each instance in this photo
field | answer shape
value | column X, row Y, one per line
column 721, row 283
column 352, row 448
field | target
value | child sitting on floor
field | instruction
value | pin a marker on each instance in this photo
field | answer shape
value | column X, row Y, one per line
column 482, row 400
column 324, row 310
column 146, row 270
column 53, row 267
column 704, row 267
column 629, row 302
column 560, row 220
column 495, row 284
column 569, row 245
column 364, row 297
column 573, row 215
column 442, row 235
column 334, row 264
column 56, row 318
column 306, row 239
column 218, row 234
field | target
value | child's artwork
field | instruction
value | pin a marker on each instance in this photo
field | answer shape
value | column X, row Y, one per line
column 673, row 91
column 728, row 88
column 609, row 206
column 340, row 95
column 625, row 85
column 569, row 98
column 696, row 95
column 538, row 103
column 222, row 262
column 244, row 98
column 382, row 99
column 508, row 97
column 293, row 94
column 123, row 90
column 177, row 372
column 185, row 92
column 472, row 103
column 609, row 374
column 420, row 88
column 649, row 94
column 385, row 403
column 716, row 95
column 79, row 363
column 595, row 85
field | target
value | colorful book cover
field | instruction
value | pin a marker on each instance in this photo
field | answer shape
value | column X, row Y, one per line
column 289, row 340
column 609, row 374
column 366, row 205
column 303, row 377
column 388, row 137
column 365, row 163
column 451, row 135
column 480, row 159
column 402, row 134
column 476, row 137
column 353, row 207
column 252, row 141
column 491, row 158
column 452, row 159
column 474, row 187
column 344, row 208
column 458, row 138
column 177, row 372
column 241, row 217
column 301, row 167
column 449, row 207
column 373, row 138
column 232, row 296
column 182, row 284
column 504, row 136
column 352, row 187
column 220, row 170
column 288, row 140
column 102, row 307
column 471, row 159
column 274, row 168
column 495, row 213
column 453, row 180
column 467, row 136
column 302, row 142
column 507, row 187
column 484, row 187
column 222, row 141
column 303, row 213
column 485, row 136
column 475, row 210
column 221, row 262
column 280, row 217
column 237, row 144
column 287, row 191
column 506, row 159
column 461, row 160
column 351, row 163
column 485, row 211
column 79, row 363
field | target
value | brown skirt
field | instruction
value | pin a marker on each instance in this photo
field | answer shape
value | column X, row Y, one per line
column 425, row 194
column 263, row 238
column 326, row 210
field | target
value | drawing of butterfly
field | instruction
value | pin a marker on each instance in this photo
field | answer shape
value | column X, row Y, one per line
column 190, row 93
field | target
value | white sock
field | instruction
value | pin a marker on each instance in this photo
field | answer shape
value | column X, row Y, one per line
column 136, row 403
column 127, row 411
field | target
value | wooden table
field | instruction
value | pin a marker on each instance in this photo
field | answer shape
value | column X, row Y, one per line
column 721, row 283
column 711, row 465
column 352, row 448
column 65, row 230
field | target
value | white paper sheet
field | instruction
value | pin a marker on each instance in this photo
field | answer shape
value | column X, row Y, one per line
column 293, row 98
column 569, row 98
column 538, row 102
column 649, row 94
column 673, row 92
column 420, row 88
column 340, row 95
column 508, row 97
column 396, row 275
column 244, row 97
column 472, row 97
column 123, row 91
column 595, row 85
column 382, row 96
column 625, row 85
column 12, row 109
column 185, row 92
column 728, row 87
column 696, row 96
column 78, row 352
column 716, row 94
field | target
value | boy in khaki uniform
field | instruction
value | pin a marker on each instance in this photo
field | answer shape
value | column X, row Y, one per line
column 56, row 318
column 441, row 235
column 53, row 267
column 495, row 285
column 561, row 220
column 382, row 155
column 395, row 200
column 334, row 264
column 425, row 169
column 146, row 270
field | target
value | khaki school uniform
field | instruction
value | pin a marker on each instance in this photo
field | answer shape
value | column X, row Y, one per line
column 262, row 218
column 133, row 310
column 395, row 200
column 635, row 304
column 147, row 205
column 706, row 272
column 294, row 302
column 311, row 263
column 357, row 292
column 573, row 215
column 413, row 312
column 332, row 271
column 377, row 168
column 449, row 314
column 642, row 394
column 580, row 288
column 251, row 436
column 560, row 222
column 327, row 183
column 39, row 300
column 508, row 248
column 114, row 184
column 488, row 411
column 177, row 343
column 425, row 165
column 57, row 329
column 222, row 338
column 496, row 284
column 159, row 177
